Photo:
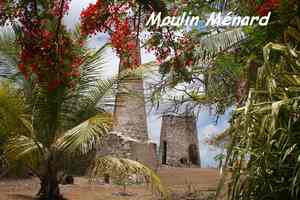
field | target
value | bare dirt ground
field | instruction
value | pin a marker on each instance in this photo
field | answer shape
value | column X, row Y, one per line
column 177, row 180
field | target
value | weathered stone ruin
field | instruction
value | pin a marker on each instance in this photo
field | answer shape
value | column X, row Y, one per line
column 126, row 147
column 179, row 141
column 130, row 117
column 129, row 138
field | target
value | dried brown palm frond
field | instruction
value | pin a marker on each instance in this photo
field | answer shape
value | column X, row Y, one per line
column 125, row 168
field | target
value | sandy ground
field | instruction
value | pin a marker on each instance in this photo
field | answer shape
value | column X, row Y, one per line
column 177, row 180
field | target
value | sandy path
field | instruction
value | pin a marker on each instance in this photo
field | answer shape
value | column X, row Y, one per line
column 176, row 179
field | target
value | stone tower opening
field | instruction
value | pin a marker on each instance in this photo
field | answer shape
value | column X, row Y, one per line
column 193, row 154
column 164, row 153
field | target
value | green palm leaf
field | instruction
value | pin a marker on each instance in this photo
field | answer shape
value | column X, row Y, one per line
column 25, row 149
column 8, row 53
column 211, row 45
column 86, row 136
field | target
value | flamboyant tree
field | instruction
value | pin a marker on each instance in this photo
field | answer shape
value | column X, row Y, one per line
column 60, row 90
column 49, row 55
column 124, row 21
column 112, row 18
column 203, row 54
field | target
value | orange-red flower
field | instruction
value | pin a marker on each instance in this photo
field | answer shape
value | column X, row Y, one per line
column 267, row 6
column 104, row 17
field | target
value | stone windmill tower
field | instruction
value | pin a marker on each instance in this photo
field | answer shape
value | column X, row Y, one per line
column 130, row 112
column 179, row 141
column 130, row 134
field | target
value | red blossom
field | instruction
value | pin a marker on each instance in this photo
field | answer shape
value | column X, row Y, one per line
column 76, row 74
column 21, row 67
column 104, row 17
column 131, row 45
column 46, row 55
column 26, row 75
column 189, row 62
column 47, row 34
column 92, row 18
column 54, row 84
column 267, row 6
column 122, row 40
column 34, row 67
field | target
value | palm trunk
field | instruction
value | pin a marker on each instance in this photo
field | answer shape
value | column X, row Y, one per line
column 49, row 188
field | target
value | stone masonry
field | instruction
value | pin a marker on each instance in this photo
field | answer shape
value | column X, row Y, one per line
column 179, row 141
column 130, row 112
column 130, row 134
column 125, row 147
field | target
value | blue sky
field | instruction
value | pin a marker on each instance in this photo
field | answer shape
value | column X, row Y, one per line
column 206, row 126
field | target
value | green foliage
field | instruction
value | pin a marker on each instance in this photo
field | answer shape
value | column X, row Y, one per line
column 13, row 116
column 265, row 132
column 8, row 47
column 214, row 76
column 40, row 126
column 45, row 130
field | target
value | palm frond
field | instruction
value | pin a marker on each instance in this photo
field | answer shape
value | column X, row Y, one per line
column 94, row 100
column 80, row 103
column 80, row 108
column 14, row 118
column 91, row 68
column 211, row 45
column 121, row 167
column 8, row 53
column 25, row 149
column 86, row 136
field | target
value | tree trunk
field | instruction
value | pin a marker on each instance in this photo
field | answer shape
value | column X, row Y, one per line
column 49, row 189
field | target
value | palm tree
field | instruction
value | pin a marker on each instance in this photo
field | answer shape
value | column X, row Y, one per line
column 47, row 128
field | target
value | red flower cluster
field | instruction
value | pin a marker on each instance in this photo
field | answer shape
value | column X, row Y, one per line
column 104, row 17
column 93, row 18
column 124, row 42
column 43, row 60
column 161, row 50
column 267, row 6
column 47, row 57
column 163, row 47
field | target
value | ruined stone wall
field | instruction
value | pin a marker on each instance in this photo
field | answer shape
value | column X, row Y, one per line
column 179, row 141
column 145, row 153
column 125, row 147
